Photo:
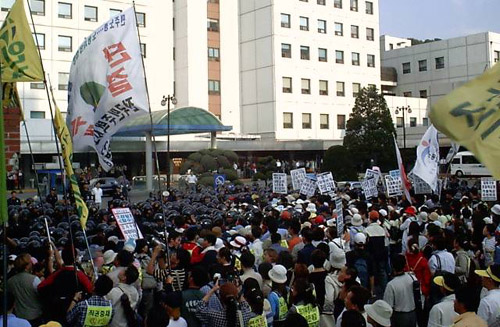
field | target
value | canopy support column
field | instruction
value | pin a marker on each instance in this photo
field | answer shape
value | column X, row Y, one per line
column 213, row 140
column 149, row 162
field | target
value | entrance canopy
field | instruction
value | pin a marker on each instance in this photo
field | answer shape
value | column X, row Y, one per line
column 187, row 120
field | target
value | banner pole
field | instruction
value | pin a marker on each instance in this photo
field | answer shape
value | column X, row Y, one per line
column 3, row 206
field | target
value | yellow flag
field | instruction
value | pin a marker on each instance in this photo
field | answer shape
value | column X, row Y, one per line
column 19, row 57
column 67, row 154
column 470, row 115
column 10, row 97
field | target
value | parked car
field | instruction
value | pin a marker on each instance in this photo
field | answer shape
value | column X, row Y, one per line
column 108, row 184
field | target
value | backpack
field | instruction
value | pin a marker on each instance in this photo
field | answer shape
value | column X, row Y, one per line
column 362, row 267
column 417, row 298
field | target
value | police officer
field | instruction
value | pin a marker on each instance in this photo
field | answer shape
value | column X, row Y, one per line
column 52, row 197
column 14, row 200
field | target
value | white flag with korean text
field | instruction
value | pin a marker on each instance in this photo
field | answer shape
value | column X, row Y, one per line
column 427, row 163
column 106, row 86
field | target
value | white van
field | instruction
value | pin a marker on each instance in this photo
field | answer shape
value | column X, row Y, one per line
column 465, row 164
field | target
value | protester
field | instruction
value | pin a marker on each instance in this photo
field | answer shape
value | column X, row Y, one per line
column 490, row 304
column 12, row 319
column 442, row 313
column 465, row 306
column 379, row 314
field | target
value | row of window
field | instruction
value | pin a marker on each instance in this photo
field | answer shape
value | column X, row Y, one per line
column 286, row 52
column 353, row 5
column 422, row 65
column 324, row 121
column 65, row 11
column 322, row 27
column 305, row 87
column 421, row 93
column 413, row 121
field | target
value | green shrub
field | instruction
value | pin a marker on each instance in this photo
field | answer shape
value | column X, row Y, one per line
column 231, row 174
column 216, row 152
column 197, row 168
column 231, row 156
column 188, row 164
column 207, row 181
column 204, row 151
column 259, row 177
column 208, row 162
column 223, row 162
column 196, row 156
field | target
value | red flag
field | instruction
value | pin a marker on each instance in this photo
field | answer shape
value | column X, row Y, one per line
column 404, row 179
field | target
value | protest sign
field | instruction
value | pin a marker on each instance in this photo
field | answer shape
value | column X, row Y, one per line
column 308, row 187
column 126, row 222
column 393, row 185
column 325, row 182
column 340, row 217
column 419, row 185
column 488, row 189
column 279, row 183
column 298, row 176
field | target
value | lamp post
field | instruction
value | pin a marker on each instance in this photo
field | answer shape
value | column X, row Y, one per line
column 166, row 101
column 403, row 109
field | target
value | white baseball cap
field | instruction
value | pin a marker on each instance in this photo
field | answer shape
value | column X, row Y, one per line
column 360, row 238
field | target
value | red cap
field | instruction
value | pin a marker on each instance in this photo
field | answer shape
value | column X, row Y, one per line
column 373, row 215
column 411, row 211
column 319, row 220
column 286, row 215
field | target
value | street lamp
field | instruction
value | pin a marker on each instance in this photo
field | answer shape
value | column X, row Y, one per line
column 403, row 109
column 166, row 101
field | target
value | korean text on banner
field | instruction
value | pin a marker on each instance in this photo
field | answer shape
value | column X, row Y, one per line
column 106, row 86
column 308, row 187
column 419, row 185
column 279, row 183
column 469, row 115
column 126, row 222
column 67, row 154
column 427, row 163
column 488, row 189
column 298, row 176
column 393, row 185
column 325, row 182
column 19, row 57
column 340, row 217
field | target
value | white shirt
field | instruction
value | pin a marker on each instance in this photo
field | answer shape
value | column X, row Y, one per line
column 119, row 319
column 446, row 262
column 97, row 192
column 443, row 313
column 399, row 293
column 489, row 307
column 177, row 323
column 192, row 179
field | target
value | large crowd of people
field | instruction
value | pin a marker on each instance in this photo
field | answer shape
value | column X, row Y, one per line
column 244, row 256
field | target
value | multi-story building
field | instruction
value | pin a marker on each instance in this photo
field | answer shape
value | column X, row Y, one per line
column 303, row 63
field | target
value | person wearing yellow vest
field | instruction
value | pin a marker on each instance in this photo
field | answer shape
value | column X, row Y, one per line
column 304, row 302
column 96, row 311
column 278, row 295
column 255, row 300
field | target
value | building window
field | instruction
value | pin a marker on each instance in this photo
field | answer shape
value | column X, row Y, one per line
column 439, row 62
column 321, row 2
column 323, row 87
column 324, row 121
column 38, row 8
column 337, row 4
column 406, row 68
column 143, row 50
column 322, row 55
column 370, row 60
column 141, row 19
column 425, row 121
column 287, row 85
column 356, row 87
column 306, row 121
column 369, row 7
column 63, row 81
column 305, row 86
column 213, row 54
column 407, row 94
column 423, row 94
column 399, row 121
column 304, row 52
column 339, row 57
column 355, row 59
column 304, row 23
column 496, row 56
column 340, row 121
column 413, row 121
column 65, row 10
column 213, row 87
column 285, row 20
column 354, row 5
column 370, row 34
column 286, row 50
column 321, row 26
column 339, row 29
column 7, row 4
column 211, row 1
column 355, row 31
column 340, row 89
column 91, row 14
column 40, row 40
column 287, row 120
column 37, row 114
column 212, row 25
column 422, row 65
column 391, row 46
column 304, row 0
column 114, row 12
column 37, row 86
column 65, row 43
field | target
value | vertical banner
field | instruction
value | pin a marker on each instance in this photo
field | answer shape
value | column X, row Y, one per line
column 298, row 176
column 427, row 163
column 369, row 183
column 106, row 86
column 325, row 182
column 279, row 183
column 308, row 187
column 340, row 217
column 488, row 189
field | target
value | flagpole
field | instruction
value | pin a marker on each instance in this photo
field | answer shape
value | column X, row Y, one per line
column 32, row 159
column 56, row 141
column 3, row 206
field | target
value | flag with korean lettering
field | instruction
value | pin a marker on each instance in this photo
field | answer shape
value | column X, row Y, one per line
column 106, row 86
column 470, row 116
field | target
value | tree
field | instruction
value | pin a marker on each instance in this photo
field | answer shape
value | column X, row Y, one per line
column 370, row 131
column 338, row 161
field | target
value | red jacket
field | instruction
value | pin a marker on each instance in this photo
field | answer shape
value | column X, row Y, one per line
column 84, row 281
column 420, row 267
column 195, row 252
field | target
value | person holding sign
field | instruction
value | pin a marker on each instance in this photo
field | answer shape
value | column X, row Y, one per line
column 96, row 311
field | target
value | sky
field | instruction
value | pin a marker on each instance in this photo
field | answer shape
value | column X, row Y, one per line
column 428, row 19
